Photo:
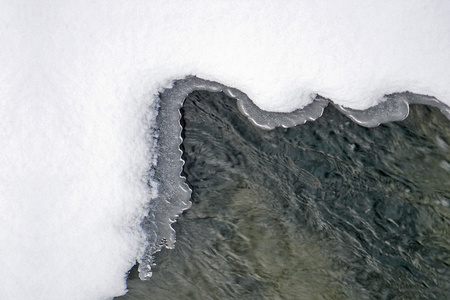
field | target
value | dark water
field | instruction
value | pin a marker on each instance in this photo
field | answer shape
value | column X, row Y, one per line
column 325, row 210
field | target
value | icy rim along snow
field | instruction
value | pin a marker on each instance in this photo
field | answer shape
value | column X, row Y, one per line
column 174, row 192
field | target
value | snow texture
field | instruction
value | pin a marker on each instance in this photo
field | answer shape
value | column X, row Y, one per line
column 79, row 81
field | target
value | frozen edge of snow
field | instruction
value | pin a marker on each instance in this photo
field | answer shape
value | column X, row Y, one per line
column 174, row 192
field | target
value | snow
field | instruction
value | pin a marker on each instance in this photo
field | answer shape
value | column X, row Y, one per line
column 78, row 78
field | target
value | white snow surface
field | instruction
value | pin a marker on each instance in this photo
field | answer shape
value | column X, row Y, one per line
column 78, row 78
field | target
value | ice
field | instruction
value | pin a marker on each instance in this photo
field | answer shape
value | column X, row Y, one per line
column 79, row 81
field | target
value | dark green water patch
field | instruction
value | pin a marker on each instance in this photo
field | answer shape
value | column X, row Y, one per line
column 324, row 210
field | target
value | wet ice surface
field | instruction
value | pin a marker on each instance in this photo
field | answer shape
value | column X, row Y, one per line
column 324, row 210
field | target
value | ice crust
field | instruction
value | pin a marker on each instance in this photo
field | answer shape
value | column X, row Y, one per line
column 174, row 192
column 79, row 89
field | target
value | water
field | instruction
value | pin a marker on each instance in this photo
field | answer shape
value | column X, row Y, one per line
column 324, row 210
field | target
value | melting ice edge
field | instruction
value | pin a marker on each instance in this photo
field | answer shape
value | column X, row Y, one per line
column 174, row 193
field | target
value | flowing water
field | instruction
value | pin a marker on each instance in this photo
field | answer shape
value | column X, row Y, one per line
column 324, row 210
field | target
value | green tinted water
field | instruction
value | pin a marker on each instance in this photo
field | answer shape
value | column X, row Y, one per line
column 325, row 210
